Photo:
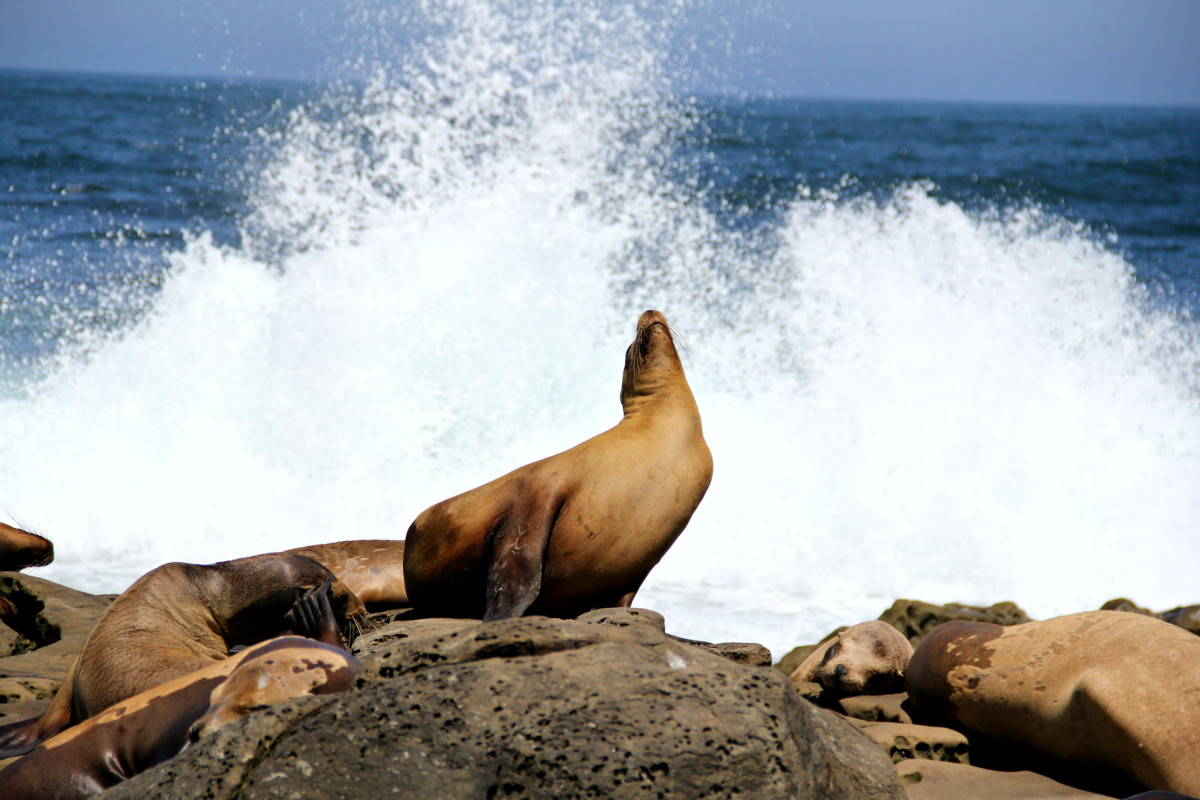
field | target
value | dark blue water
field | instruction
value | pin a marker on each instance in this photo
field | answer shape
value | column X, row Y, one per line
column 101, row 178
column 1131, row 176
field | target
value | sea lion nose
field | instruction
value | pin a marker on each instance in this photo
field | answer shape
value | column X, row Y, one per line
column 840, row 671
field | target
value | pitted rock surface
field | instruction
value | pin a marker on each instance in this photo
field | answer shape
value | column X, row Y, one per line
column 537, row 707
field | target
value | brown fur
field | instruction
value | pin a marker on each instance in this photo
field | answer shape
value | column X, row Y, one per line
column 173, row 620
column 155, row 725
column 373, row 569
column 579, row 530
column 21, row 549
column 867, row 658
column 1101, row 689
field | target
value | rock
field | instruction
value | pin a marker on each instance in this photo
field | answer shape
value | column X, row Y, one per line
column 915, row 619
column 537, row 707
column 939, row 780
column 399, row 630
column 626, row 617
column 52, row 620
column 876, row 708
column 1186, row 617
column 904, row 741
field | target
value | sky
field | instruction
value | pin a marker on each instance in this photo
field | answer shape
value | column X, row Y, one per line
column 1038, row 51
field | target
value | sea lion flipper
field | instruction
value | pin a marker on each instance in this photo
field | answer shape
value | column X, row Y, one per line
column 312, row 615
column 518, row 555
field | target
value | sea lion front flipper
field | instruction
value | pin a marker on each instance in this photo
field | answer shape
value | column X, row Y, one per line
column 518, row 555
column 18, row 738
column 312, row 615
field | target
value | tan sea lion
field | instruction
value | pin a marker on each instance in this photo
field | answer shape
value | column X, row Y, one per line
column 157, row 724
column 1098, row 689
column 373, row 569
column 867, row 658
column 178, row 618
column 21, row 549
column 579, row 530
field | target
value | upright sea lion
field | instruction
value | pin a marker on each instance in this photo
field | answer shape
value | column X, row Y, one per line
column 867, row 658
column 20, row 549
column 581, row 529
column 176, row 619
column 1098, row 689
column 373, row 569
column 157, row 724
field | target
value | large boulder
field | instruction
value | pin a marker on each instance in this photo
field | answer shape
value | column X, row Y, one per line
column 537, row 707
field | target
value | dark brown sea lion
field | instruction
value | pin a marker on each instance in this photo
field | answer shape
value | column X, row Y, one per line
column 157, row 724
column 579, row 530
column 1102, row 689
column 176, row 619
column 21, row 549
column 867, row 658
column 373, row 569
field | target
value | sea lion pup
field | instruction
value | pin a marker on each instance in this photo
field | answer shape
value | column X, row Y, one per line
column 21, row 549
column 159, row 723
column 176, row 619
column 1101, row 688
column 373, row 569
column 579, row 530
column 867, row 658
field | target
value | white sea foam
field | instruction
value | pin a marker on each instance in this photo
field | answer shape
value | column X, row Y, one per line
column 441, row 275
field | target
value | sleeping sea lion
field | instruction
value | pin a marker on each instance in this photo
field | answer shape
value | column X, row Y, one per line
column 1099, row 689
column 579, row 530
column 176, row 619
column 867, row 658
column 159, row 723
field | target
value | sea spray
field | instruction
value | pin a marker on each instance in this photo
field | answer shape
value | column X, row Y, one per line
column 436, row 283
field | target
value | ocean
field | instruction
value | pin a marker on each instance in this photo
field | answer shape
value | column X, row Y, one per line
column 941, row 352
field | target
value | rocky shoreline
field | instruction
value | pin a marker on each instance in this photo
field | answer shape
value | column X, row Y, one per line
column 609, row 705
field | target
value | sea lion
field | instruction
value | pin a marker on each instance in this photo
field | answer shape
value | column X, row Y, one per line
column 579, row 530
column 159, row 723
column 178, row 618
column 867, row 658
column 1098, row 689
column 21, row 549
column 373, row 569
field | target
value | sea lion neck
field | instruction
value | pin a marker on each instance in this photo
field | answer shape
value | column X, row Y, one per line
column 653, row 371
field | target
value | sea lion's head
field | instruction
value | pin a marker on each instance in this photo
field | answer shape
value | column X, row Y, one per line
column 21, row 549
column 868, row 658
column 651, row 359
